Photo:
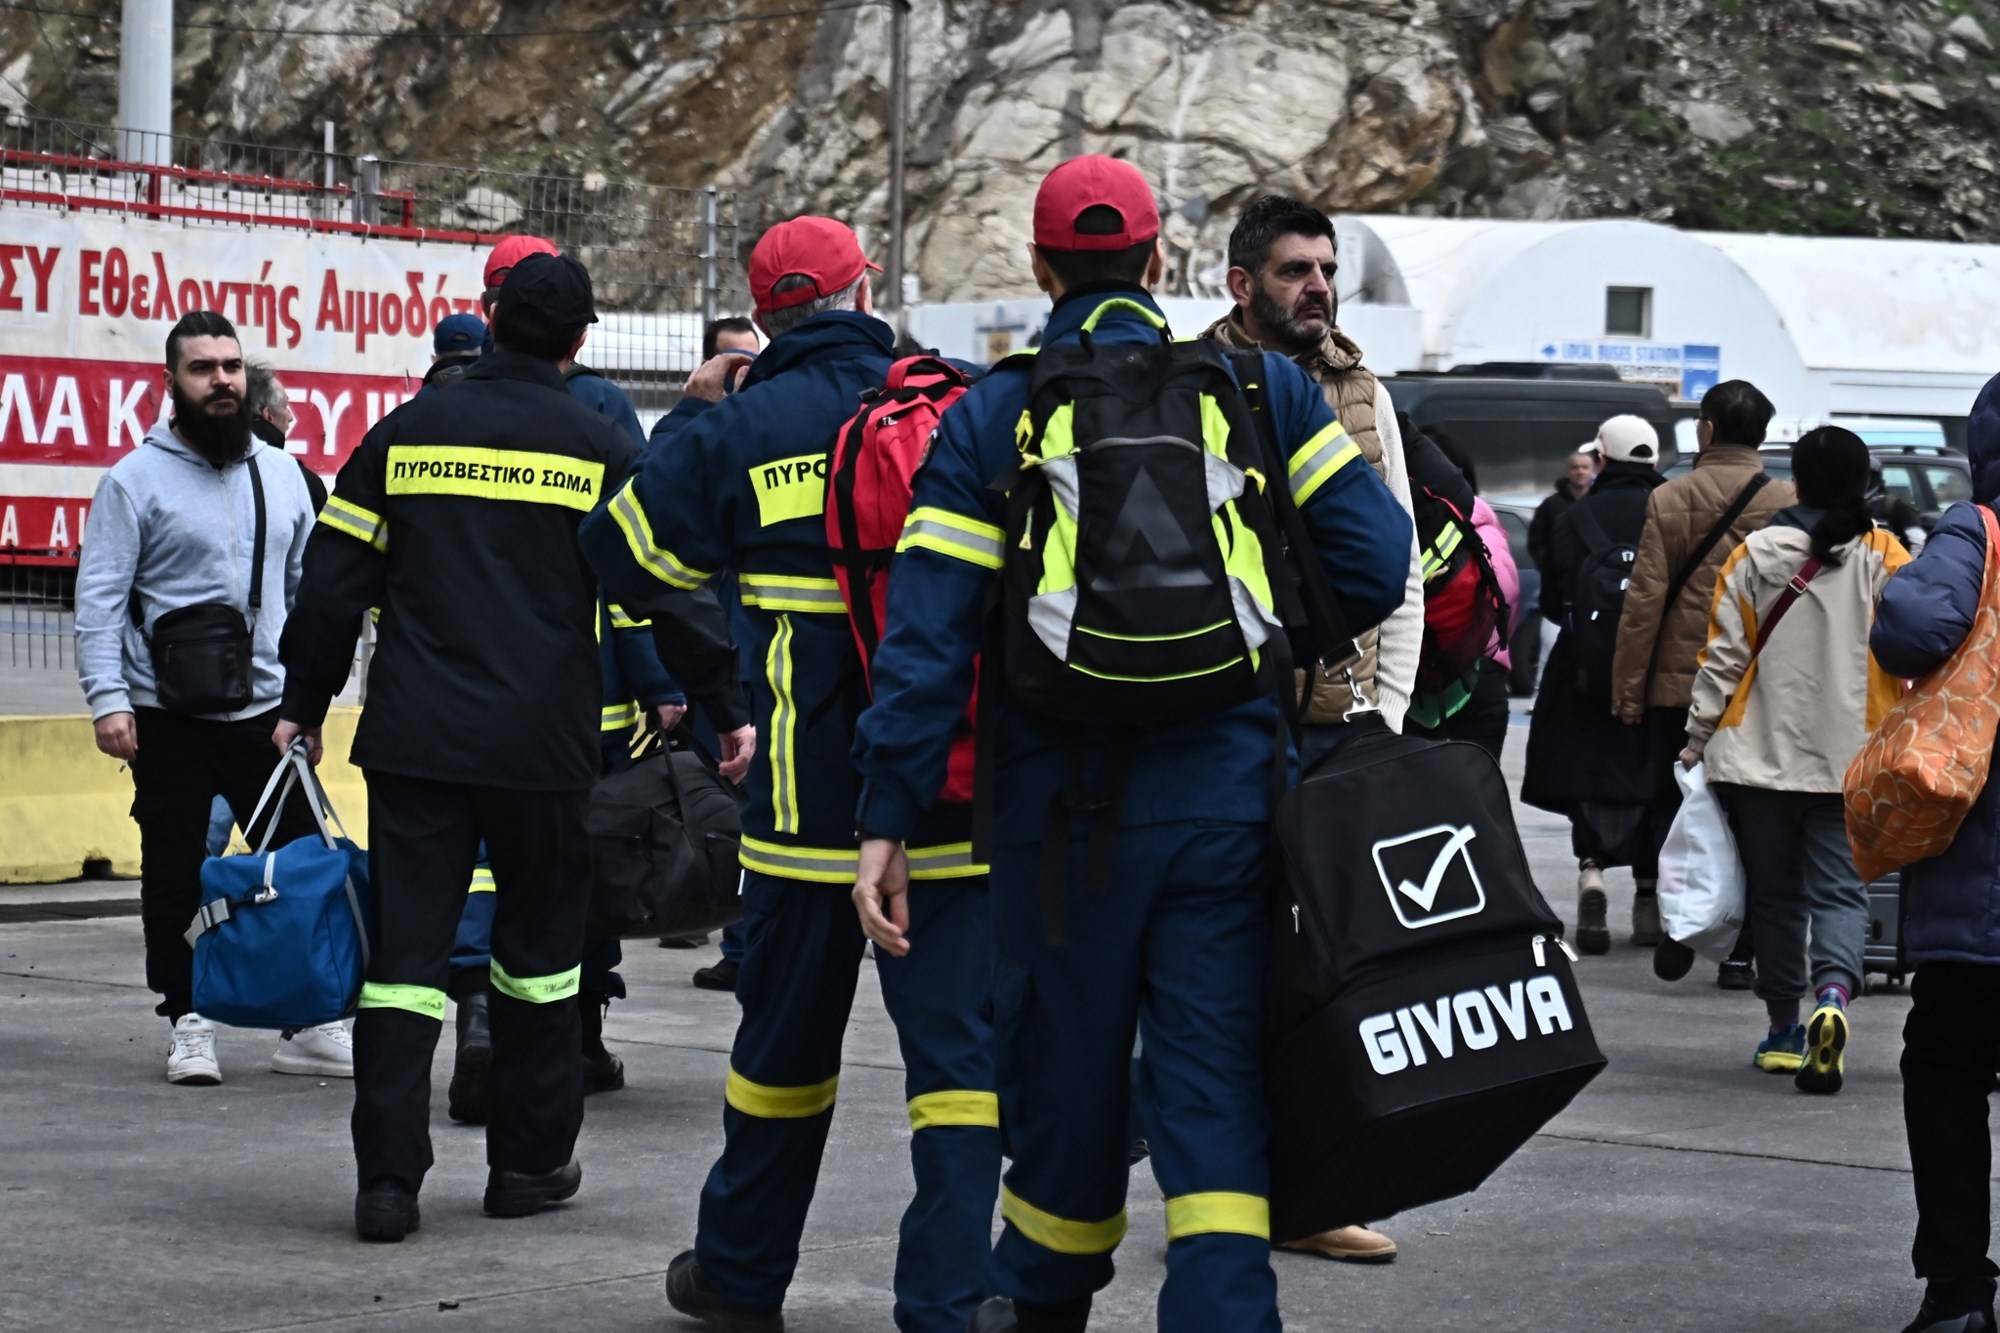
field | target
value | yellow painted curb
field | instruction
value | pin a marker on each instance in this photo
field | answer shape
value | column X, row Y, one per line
column 62, row 803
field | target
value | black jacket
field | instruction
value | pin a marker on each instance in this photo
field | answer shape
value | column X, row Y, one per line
column 1618, row 502
column 457, row 516
column 1543, row 526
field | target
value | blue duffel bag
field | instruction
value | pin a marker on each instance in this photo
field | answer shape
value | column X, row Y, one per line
column 281, row 940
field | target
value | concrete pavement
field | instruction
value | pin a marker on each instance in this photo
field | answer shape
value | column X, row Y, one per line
column 1683, row 1190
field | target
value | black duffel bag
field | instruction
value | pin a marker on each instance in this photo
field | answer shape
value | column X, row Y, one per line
column 664, row 836
column 1422, row 1019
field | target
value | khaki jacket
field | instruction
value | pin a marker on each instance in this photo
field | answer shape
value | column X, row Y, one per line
column 1657, row 644
column 1793, row 719
column 1385, row 665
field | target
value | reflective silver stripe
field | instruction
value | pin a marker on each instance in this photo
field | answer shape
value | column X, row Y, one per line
column 358, row 523
column 1319, row 459
column 950, row 861
column 655, row 559
column 791, row 592
column 950, row 534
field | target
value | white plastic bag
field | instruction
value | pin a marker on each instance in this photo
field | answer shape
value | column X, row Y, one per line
column 1701, row 874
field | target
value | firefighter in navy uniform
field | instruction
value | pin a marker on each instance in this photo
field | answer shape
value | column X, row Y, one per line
column 743, row 486
column 457, row 515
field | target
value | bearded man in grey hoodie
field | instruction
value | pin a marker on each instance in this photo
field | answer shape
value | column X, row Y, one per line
column 175, row 524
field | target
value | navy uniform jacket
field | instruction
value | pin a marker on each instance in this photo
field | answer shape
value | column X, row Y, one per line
column 742, row 486
column 1211, row 768
column 457, row 515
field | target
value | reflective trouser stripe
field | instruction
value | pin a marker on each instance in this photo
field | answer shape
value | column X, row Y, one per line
column 537, row 990
column 1060, row 1234
column 618, row 717
column 769, row 1103
column 784, row 730
column 482, row 880
column 423, row 1001
column 1202, row 1214
column 936, row 1109
column 621, row 620
column 825, row 865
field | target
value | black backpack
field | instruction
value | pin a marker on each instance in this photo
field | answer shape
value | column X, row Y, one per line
column 1602, row 581
column 664, row 837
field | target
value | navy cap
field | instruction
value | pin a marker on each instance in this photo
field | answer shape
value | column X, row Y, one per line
column 555, row 287
column 458, row 333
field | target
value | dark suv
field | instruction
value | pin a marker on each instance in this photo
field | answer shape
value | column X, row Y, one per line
column 1932, row 479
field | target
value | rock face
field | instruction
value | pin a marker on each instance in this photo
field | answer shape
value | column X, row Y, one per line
column 1839, row 116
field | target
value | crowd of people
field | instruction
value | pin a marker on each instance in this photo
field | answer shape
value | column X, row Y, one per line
column 546, row 581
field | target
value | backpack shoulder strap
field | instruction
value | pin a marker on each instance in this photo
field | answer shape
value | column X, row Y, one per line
column 1594, row 536
column 1707, row 544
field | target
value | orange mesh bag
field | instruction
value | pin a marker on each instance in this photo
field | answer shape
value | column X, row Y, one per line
column 1919, row 772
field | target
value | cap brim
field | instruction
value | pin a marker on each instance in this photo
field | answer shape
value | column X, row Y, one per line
column 871, row 264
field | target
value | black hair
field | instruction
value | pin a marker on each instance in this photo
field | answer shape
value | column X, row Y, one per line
column 1082, row 268
column 197, row 324
column 1449, row 446
column 1830, row 466
column 1740, row 413
column 1265, row 221
column 528, row 331
column 712, row 335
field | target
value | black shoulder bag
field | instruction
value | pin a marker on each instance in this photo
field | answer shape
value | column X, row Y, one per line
column 204, row 655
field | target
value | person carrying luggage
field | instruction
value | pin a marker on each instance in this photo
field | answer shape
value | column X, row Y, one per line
column 742, row 485
column 1130, row 863
column 457, row 515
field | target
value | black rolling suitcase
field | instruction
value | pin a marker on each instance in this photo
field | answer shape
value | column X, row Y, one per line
column 1422, row 1019
column 1884, row 953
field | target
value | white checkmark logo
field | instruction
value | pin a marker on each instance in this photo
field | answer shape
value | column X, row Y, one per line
column 1426, row 896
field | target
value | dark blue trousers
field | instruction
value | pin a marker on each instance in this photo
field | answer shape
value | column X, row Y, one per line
column 1174, row 948
column 800, row 968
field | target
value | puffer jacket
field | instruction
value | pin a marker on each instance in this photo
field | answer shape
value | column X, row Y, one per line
column 1794, row 718
column 1385, row 665
column 1926, row 612
column 1658, row 645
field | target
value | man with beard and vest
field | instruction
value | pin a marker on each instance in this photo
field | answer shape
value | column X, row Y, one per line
column 457, row 515
column 742, row 486
column 175, row 524
column 1281, row 272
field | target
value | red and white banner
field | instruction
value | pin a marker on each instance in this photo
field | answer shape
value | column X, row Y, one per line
column 86, row 304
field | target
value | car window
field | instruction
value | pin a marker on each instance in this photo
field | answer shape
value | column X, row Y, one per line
column 1517, row 536
column 1900, row 480
column 1949, row 485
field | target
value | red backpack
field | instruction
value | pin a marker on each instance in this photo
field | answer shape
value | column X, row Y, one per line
column 875, row 461
column 1463, row 605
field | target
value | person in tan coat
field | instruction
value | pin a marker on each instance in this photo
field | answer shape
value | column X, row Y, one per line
column 1281, row 270
column 1664, row 624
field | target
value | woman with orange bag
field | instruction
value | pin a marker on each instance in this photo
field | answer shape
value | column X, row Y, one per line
column 1932, row 614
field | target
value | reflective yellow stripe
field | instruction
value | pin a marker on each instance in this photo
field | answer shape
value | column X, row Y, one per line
column 827, row 865
column 422, row 1001
column 652, row 557
column 768, row 1103
column 1158, row 321
column 940, row 1109
column 493, row 474
column 1154, row 680
column 784, row 730
column 791, row 592
column 361, row 524
column 1203, row 1214
column 537, row 990
column 620, row 620
column 618, row 717
column 932, row 529
column 482, row 880
column 1442, row 550
column 1318, row 459
column 1059, row 1233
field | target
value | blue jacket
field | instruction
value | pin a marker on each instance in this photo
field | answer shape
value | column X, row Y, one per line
column 1924, row 615
column 1214, row 768
column 742, row 485
column 603, row 397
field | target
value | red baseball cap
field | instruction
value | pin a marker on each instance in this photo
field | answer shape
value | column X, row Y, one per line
column 1091, row 182
column 510, row 251
column 821, row 249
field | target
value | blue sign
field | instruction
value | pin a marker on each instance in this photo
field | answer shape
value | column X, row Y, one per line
column 1701, row 370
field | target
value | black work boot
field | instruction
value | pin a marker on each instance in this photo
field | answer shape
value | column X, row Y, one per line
column 1000, row 1315
column 689, row 1293
column 1935, row 1317
column 602, row 1071
column 517, row 1193
column 385, row 1211
column 470, row 1096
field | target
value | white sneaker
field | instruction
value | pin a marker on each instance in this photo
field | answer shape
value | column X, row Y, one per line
column 327, row 1051
column 191, row 1057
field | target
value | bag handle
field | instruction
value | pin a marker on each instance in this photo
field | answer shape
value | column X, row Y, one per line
column 294, row 770
column 1715, row 534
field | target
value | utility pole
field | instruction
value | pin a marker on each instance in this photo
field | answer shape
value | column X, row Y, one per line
column 146, row 82
column 899, row 119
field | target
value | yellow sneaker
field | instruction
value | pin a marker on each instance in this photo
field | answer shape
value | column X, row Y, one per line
column 1782, row 1052
column 1826, row 1045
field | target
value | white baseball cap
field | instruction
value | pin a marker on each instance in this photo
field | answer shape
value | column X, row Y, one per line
column 1629, row 439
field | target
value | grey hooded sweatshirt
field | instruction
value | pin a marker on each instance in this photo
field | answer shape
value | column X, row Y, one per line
column 180, row 531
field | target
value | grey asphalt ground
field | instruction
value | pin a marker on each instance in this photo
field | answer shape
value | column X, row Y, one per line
column 1683, row 1190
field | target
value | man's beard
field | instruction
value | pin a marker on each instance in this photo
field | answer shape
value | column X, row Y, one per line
column 219, row 439
column 1283, row 326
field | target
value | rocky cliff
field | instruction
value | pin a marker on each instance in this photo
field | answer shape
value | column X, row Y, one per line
column 1855, row 117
